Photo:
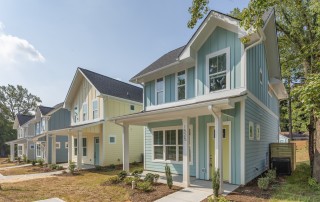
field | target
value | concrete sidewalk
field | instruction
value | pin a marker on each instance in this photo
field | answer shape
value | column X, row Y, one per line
column 18, row 166
column 19, row 178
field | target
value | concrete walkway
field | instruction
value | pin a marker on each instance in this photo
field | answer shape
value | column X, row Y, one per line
column 19, row 178
column 198, row 190
column 51, row 200
column 18, row 166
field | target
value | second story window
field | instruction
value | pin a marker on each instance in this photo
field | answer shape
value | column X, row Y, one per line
column 181, row 85
column 217, row 72
column 95, row 111
column 160, row 91
column 37, row 128
column 43, row 125
column 76, row 114
column 84, row 112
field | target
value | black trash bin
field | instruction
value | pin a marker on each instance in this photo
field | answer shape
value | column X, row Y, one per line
column 282, row 165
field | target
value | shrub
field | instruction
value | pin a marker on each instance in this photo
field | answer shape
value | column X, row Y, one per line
column 313, row 184
column 217, row 199
column 98, row 167
column 168, row 176
column 112, row 166
column 272, row 175
column 40, row 161
column 59, row 167
column 216, row 182
column 134, row 163
column 9, row 158
column 149, row 177
column 34, row 162
column 114, row 179
column 19, row 159
column 156, row 177
column 24, row 158
column 128, row 180
column 136, row 172
column 263, row 183
column 145, row 186
column 72, row 167
column 122, row 174
column 53, row 166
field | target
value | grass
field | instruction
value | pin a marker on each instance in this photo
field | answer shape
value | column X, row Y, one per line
column 83, row 187
column 4, row 164
column 296, row 187
column 22, row 170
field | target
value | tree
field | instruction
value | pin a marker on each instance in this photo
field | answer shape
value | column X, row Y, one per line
column 298, row 26
column 17, row 100
column 6, row 134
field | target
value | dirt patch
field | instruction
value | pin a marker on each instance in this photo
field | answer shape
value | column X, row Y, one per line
column 25, row 170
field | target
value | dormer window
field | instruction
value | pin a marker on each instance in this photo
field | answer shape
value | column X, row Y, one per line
column 181, row 85
column 84, row 112
column 76, row 114
column 160, row 91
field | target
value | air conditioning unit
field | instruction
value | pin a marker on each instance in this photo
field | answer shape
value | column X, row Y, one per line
column 282, row 165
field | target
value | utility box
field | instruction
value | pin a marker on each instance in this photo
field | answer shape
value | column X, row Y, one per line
column 282, row 165
column 282, row 151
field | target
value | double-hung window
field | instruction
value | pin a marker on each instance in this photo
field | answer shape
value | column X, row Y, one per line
column 37, row 128
column 95, row 111
column 38, row 150
column 160, row 91
column 217, row 70
column 75, row 145
column 84, row 112
column 158, row 144
column 84, row 146
column 181, row 85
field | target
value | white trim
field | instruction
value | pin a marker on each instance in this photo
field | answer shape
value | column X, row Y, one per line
column 95, row 100
column 243, row 67
column 156, row 91
column 197, row 147
column 73, row 113
column 224, row 123
column 144, row 147
column 177, row 152
column 242, row 141
column 258, row 102
column 214, row 54
column 258, row 131
column 251, row 125
column 196, row 77
column 115, row 139
column 58, row 145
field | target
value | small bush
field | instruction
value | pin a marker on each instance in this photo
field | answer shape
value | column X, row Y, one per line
column 272, row 175
column 216, row 182
column 98, row 167
column 168, row 176
column 40, row 161
column 24, row 158
column 313, row 184
column 122, row 174
column 149, row 178
column 128, row 180
column 59, row 167
column 156, row 177
column 263, row 183
column 34, row 162
column 145, row 186
column 53, row 166
column 114, row 180
column 137, row 172
column 112, row 166
column 28, row 161
column 72, row 167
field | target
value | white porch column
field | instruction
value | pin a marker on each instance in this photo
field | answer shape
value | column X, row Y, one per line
column 70, row 148
column 53, row 151
column 218, row 146
column 186, row 157
column 46, row 159
column 11, row 152
column 125, row 147
column 79, row 155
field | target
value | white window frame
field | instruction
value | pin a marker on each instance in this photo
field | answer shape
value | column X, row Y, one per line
column 251, row 125
column 38, row 149
column 58, row 145
column 43, row 125
column 258, row 132
column 177, row 145
column 66, row 145
column 76, row 119
column 214, row 54
column 95, row 110
column 177, row 86
column 38, row 128
column 115, row 139
column 156, row 91
column 20, row 151
column 84, row 112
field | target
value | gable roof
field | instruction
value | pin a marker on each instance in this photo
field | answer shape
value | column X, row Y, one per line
column 22, row 118
column 45, row 110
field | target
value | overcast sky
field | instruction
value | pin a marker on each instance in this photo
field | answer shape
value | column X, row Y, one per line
column 43, row 42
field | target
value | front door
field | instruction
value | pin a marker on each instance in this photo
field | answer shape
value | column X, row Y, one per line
column 96, row 151
column 226, row 151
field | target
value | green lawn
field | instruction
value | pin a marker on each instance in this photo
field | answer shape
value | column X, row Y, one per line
column 296, row 187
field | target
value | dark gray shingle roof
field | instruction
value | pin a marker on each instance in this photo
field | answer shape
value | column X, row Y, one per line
column 113, row 87
column 22, row 119
column 164, row 60
column 58, row 105
column 45, row 110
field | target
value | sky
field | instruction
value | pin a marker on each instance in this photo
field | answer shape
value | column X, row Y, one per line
column 43, row 42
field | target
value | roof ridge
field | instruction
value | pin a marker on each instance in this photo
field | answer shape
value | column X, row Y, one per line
column 109, row 77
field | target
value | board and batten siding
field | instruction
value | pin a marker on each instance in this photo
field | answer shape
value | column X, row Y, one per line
column 218, row 40
column 62, row 153
column 256, row 60
column 257, row 151
column 170, row 90
column 59, row 120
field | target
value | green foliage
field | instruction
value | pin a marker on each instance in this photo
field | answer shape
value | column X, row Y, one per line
column 122, row 174
column 53, row 166
column 24, row 158
column 263, row 183
column 149, row 177
column 156, row 177
column 40, row 161
column 19, row 159
column 128, row 180
column 313, row 183
column 114, row 180
column 59, row 167
column 198, row 9
column 145, row 186
column 112, row 166
column 72, row 167
column 99, row 168
column 34, row 162
column 216, row 182
column 272, row 175
column 217, row 199
column 134, row 163
column 137, row 172
column 168, row 176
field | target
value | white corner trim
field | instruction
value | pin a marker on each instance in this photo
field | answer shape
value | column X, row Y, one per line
column 242, row 141
column 197, row 147
column 258, row 102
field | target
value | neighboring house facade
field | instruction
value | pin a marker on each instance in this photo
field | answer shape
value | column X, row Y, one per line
column 93, row 99
column 51, row 133
column 213, row 103
column 25, row 132
column 283, row 139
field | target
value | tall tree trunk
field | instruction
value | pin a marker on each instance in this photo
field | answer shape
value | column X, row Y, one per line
column 316, row 164
column 312, row 131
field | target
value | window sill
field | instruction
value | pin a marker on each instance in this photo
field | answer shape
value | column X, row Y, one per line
column 170, row 162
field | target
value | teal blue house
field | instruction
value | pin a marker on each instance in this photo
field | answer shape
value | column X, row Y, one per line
column 213, row 103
